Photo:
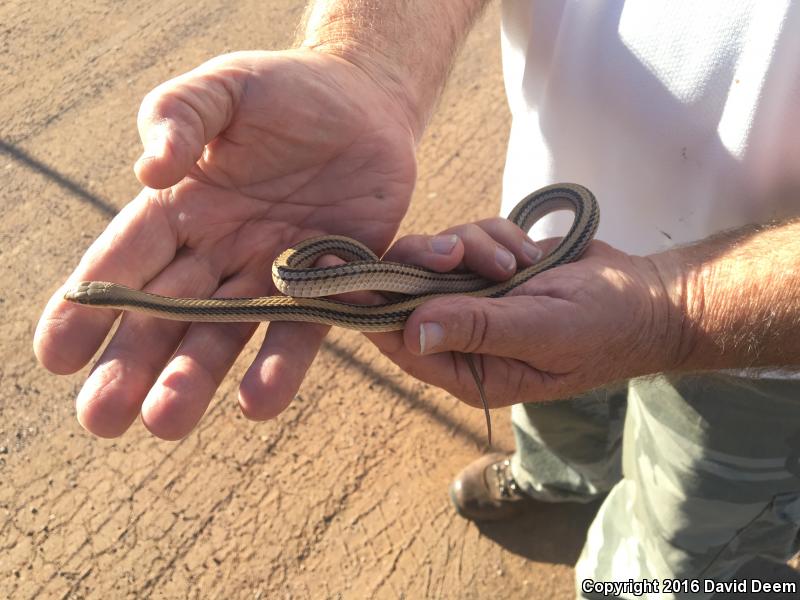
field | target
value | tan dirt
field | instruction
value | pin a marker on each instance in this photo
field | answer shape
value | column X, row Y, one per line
column 345, row 494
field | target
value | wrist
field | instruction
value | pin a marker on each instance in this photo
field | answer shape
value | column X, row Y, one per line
column 379, row 71
column 406, row 46
column 676, row 303
column 366, row 54
column 734, row 298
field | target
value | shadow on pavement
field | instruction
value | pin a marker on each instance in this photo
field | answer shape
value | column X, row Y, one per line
column 549, row 533
column 66, row 183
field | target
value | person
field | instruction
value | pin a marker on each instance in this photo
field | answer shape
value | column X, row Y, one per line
column 682, row 118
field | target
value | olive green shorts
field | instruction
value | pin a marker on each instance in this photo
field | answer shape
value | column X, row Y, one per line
column 700, row 475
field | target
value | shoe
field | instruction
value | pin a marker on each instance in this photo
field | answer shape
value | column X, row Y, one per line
column 486, row 491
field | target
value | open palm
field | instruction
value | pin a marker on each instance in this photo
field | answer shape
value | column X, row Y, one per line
column 245, row 156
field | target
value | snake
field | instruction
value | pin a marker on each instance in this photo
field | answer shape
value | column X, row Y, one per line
column 305, row 285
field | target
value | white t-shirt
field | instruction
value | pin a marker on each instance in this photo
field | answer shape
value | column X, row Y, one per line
column 683, row 117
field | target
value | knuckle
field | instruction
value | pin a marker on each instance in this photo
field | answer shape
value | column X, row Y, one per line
column 466, row 231
column 463, row 385
column 519, row 385
column 152, row 103
column 473, row 230
column 406, row 249
column 478, row 329
column 413, row 242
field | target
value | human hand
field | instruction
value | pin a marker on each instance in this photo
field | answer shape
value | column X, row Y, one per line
column 567, row 330
column 244, row 156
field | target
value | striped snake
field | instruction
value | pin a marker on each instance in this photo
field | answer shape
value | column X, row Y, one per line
column 296, row 276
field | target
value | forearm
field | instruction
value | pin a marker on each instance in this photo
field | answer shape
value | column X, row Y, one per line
column 407, row 46
column 734, row 300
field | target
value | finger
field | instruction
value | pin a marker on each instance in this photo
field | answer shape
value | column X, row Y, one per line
column 438, row 369
column 179, row 117
column 273, row 379
column 450, row 371
column 112, row 395
column 135, row 246
column 483, row 254
column 447, row 251
column 472, row 248
column 180, row 396
column 441, row 253
column 288, row 350
column 525, row 250
column 503, row 327
column 493, row 248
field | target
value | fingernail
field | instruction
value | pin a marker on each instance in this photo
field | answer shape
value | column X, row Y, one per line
column 443, row 244
column 505, row 259
column 430, row 335
column 531, row 250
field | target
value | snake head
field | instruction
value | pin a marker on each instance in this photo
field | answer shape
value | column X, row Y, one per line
column 88, row 292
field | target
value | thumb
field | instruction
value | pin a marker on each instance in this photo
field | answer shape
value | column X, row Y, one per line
column 179, row 117
column 496, row 326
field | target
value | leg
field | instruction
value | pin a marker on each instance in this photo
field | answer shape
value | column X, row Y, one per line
column 566, row 451
column 711, row 470
column 569, row 450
